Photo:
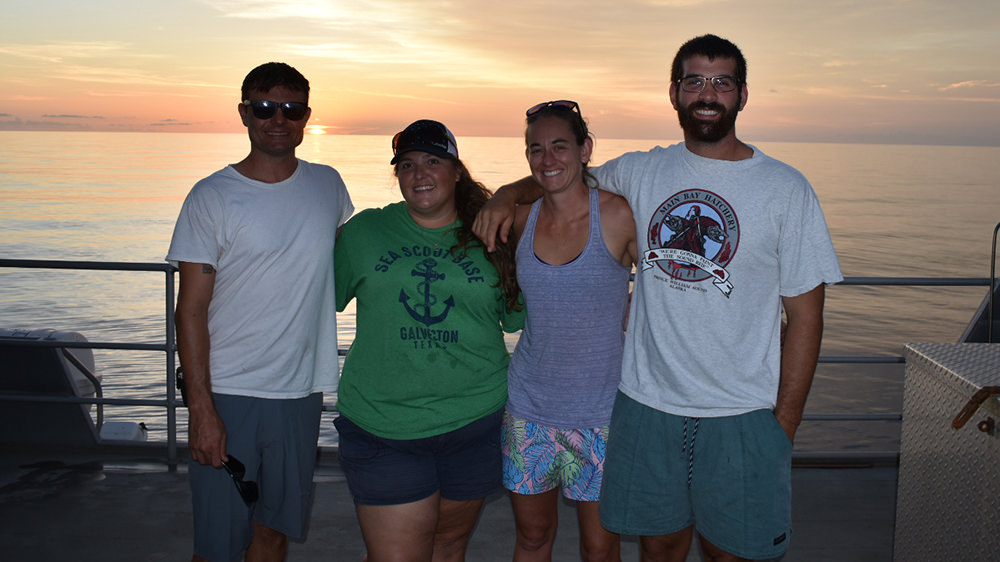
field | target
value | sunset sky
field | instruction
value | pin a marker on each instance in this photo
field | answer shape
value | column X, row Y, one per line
column 879, row 71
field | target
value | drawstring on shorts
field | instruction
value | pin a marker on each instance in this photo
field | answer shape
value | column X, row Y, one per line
column 689, row 446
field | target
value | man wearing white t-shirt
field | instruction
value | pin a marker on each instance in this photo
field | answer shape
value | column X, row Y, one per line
column 710, row 400
column 256, row 325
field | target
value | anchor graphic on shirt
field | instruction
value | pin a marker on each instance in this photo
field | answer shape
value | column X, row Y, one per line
column 422, row 312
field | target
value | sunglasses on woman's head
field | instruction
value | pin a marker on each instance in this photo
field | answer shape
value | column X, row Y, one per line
column 266, row 109
column 558, row 104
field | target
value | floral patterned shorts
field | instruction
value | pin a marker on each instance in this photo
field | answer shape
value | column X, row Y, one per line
column 538, row 458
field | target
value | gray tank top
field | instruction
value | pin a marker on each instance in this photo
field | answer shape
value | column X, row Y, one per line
column 566, row 367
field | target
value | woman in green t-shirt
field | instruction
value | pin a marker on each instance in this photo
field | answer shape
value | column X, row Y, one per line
column 425, row 382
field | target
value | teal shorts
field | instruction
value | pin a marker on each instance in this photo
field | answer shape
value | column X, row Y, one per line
column 275, row 439
column 538, row 458
column 730, row 477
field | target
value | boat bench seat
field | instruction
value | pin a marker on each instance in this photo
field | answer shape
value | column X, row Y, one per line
column 30, row 370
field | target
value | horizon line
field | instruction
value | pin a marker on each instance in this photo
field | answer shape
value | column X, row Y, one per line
column 760, row 139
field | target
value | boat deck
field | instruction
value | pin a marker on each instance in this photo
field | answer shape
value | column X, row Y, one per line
column 135, row 509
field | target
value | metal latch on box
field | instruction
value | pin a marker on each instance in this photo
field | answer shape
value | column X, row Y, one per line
column 986, row 426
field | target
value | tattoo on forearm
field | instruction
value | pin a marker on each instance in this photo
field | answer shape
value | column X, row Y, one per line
column 207, row 269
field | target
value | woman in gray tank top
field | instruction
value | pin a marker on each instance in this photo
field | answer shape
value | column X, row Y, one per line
column 575, row 251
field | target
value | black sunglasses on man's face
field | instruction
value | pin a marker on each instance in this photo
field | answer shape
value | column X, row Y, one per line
column 266, row 109
column 247, row 488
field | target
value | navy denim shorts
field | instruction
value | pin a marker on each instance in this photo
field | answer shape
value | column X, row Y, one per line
column 463, row 464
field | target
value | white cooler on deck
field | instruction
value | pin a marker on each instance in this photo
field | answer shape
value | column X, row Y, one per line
column 948, row 499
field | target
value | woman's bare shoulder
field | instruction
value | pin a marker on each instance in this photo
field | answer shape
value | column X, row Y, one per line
column 614, row 207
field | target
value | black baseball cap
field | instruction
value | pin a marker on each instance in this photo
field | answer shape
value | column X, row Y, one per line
column 425, row 135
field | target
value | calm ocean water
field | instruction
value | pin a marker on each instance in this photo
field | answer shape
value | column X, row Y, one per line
column 892, row 211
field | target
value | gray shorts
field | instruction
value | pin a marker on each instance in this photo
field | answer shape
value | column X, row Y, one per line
column 729, row 476
column 276, row 441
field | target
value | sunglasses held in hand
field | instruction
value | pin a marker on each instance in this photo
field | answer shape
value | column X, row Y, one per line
column 247, row 488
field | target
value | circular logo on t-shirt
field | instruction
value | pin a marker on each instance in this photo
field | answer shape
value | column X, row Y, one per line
column 693, row 236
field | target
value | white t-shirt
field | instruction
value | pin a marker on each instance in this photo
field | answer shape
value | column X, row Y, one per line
column 272, row 318
column 720, row 243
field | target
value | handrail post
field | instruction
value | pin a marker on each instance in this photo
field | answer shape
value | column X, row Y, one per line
column 993, row 286
column 171, row 387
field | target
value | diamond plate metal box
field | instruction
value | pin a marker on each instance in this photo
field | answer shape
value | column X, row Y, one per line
column 948, row 499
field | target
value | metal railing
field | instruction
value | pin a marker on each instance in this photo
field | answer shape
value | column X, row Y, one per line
column 168, row 346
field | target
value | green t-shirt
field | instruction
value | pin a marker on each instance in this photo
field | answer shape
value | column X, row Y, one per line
column 428, row 355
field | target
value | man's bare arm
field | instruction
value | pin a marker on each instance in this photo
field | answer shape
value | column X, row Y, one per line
column 799, row 355
column 206, row 432
column 497, row 215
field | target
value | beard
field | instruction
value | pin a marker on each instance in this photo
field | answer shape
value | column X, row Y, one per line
column 706, row 131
